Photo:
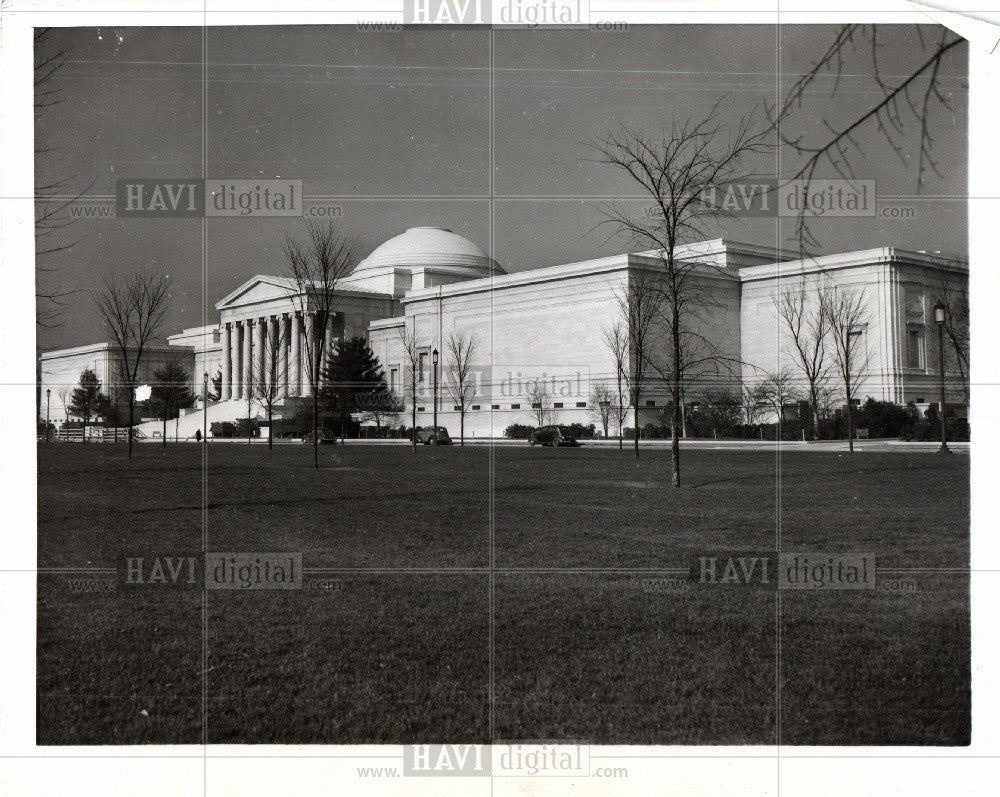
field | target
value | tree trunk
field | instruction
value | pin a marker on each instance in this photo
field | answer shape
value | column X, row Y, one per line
column 315, row 398
column 850, row 425
column 461, row 429
column 815, row 412
column 635, row 417
column 270, row 427
column 84, row 438
column 675, row 448
column 413, row 409
column 131, row 418
column 164, row 426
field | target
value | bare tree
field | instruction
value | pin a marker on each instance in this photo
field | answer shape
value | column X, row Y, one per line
column 51, row 199
column 900, row 99
column 616, row 339
column 462, row 386
column 778, row 390
column 412, row 349
column 640, row 304
column 603, row 404
column 848, row 321
column 541, row 402
column 132, row 308
column 317, row 266
column 755, row 399
column 808, row 328
column 676, row 171
column 270, row 371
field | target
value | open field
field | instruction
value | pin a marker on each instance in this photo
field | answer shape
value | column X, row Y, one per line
column 395, row 644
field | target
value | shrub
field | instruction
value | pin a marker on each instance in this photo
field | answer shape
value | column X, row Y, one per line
column 518, row 431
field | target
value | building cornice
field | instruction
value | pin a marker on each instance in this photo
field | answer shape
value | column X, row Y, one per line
column 861, row 258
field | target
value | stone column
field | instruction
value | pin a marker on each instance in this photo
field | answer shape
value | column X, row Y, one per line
column 227, row 363
column 260, row 341
column 273, row 353
column 294, row 376
column 247, row 358
column 283, row 331
column 237, row 360
column 310, row 347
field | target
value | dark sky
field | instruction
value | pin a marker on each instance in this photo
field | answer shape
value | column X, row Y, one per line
column 396, row 126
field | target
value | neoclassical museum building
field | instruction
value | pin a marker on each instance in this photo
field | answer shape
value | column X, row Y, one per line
column 540, row 336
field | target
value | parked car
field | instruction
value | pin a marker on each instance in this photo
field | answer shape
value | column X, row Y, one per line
column 552, row 436
column 326, row 436
column 428, row 437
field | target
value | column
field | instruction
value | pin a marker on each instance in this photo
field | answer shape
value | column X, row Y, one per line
column 310, row 347
column 260, row 344
column 247, row 355
column 294, row 376
column 283, row 355
column 272, row 356
column 237, row 360
column 227, row 364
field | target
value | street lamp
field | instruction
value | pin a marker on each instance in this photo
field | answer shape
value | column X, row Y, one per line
column 434, row 359
column 48, row 398
column 939, row 317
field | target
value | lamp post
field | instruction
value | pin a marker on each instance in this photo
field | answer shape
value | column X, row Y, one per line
column 434, row 359
column 204, row 420
column 939, row 317
column 48, row 398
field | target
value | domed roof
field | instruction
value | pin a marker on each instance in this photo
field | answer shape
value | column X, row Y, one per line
column 433, row 247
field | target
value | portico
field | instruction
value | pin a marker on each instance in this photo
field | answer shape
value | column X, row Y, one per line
column 269, row 333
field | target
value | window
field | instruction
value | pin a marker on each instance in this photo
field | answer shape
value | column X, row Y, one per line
column 558, row 405
column 914, row 347
column 515, row 406
column 420, row 409
column 494, row 406
column 475, row 406
column 393, row 379
column 456, row 408
column 581, row 403
column 913, row 298
column 536, row 405
column 650, row 403
column 422, row 368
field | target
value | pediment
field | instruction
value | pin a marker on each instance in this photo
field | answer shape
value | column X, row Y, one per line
column 257, row 289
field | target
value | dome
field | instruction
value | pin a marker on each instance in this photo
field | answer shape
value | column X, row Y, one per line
column 430, row 247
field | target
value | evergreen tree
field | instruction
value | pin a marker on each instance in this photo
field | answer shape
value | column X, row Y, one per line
column 171, row 392
column 87, row 400
column 352, row 380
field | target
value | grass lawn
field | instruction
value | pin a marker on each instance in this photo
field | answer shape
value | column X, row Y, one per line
column 400, row 649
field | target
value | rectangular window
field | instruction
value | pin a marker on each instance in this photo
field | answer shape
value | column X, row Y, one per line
column 422, row 368
column 536, row 405
column 581, row 403
column 558, row 405
column 914, row 304
column 515, row 406
column 651, row 403
column 456, row 408
column 914, row 347
column 475, row 406
column 420, row 409
column 494, row 406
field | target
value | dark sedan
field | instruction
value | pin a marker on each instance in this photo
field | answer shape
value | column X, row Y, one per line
column 552, row 436
column 431, row 438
